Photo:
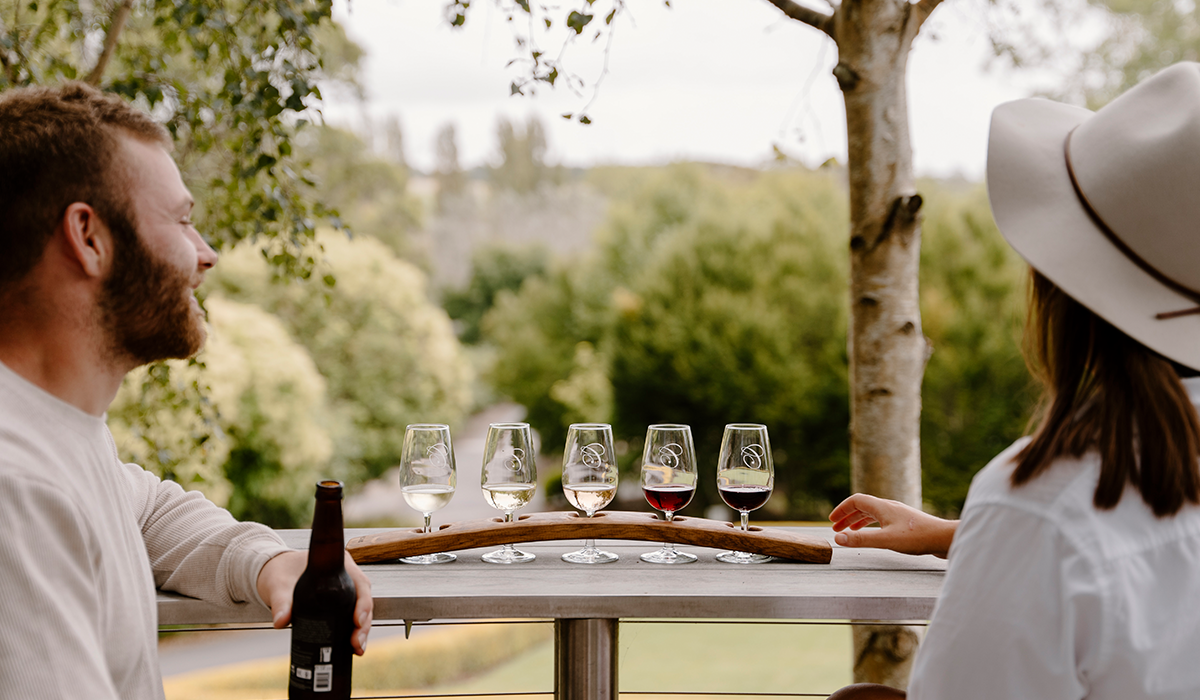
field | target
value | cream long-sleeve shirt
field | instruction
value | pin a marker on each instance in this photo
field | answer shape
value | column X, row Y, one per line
column 84, row 542
column 1048, row 598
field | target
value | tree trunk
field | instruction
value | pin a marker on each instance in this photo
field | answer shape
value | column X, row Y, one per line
column 886, row 346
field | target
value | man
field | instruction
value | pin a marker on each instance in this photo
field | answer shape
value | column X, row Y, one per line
column 98, row 266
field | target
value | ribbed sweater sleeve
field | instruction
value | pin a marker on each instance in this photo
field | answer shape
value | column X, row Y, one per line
column 196, row 548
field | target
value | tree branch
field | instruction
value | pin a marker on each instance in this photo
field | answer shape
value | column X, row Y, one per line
column 110, row 41
column 808, row 16
column 925, row 8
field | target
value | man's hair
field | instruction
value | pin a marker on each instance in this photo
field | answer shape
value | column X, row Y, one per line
column 58, row 146
column 1105, row 391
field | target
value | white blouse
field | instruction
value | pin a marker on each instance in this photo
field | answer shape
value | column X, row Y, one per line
column 1048, row 598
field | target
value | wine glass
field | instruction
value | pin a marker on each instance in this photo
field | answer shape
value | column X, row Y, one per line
column 745, row 477
column 427, row 477
column 509, row 478
column 669, row 480
column 589, row 480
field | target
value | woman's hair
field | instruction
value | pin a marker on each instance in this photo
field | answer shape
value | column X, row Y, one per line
column 1103, row 390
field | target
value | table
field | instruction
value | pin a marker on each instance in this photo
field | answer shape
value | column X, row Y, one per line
column 587, row 602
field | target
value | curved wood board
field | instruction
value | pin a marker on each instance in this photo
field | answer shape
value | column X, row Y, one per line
column 540, row 527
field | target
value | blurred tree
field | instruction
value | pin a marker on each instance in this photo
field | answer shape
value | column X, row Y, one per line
column 738, row 315
column 977, row 396
column 393, row 143
column 715, row 299
column 495, row 268
column 451, row 180
column 523, row 164
column 367, row 189
column 267, row 404
column 388, row 354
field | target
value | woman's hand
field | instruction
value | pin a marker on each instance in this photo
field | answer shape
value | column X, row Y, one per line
column 902, row 528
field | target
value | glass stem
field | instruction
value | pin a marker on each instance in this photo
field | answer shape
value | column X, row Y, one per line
column 589, row 545
column 669, row 546
column 508, row 518
column 427, row 517
column 745, row 521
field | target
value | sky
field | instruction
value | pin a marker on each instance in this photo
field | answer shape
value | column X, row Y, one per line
column 710, row 80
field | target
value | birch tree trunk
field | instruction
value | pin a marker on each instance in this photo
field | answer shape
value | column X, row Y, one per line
column 886, row 346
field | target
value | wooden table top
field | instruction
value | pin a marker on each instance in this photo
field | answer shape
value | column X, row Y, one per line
column 861, row 584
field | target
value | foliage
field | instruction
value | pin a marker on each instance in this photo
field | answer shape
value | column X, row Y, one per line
column 269, row 409
column 977, row 395
column 719, row 295
column 494, row 269
column 388, row 354
column 451, row 180
column 550, row 24
column 369, row 190
column 523, row 166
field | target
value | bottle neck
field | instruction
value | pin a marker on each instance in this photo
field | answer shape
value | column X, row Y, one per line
column 326, row 549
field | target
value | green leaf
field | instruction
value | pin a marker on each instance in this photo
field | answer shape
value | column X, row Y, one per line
column 609, row 18
column 459, row 20
column 552, row 76
column 547, row 21
column 524, row 5
column 578, row 21
column 584, row 119
column 514, row 89
column 567, row 115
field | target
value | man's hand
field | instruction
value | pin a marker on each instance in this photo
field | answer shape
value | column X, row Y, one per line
column 278, row 578
column 903, row 528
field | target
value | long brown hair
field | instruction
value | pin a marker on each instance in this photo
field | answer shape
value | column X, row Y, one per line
column 1103, row 390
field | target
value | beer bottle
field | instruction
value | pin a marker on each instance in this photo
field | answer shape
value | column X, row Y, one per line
column 323, row 607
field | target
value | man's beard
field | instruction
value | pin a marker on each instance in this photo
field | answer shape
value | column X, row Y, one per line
column 145, row 304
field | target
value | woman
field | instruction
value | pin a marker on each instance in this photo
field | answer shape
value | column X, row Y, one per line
column 1075, row 571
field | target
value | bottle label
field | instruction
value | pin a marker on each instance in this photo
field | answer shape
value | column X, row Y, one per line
column 313, row 652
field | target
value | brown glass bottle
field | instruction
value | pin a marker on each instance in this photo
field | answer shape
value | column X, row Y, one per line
column 323, row 607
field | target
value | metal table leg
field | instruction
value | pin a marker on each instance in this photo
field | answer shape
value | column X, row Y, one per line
column 585, row 659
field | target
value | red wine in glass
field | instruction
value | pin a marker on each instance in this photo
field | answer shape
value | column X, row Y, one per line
column 745, row 497
column 669, row 498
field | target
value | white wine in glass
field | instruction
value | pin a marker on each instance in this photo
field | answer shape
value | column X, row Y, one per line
column 427, row 477
column 508, row 479
column 745, row 478
column 669, row 480
column 589, row 480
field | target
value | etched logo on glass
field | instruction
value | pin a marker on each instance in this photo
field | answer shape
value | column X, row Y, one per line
column 438, row 455
column 593, row 455
column 516, row 462
column 668, row 455
column 752, row 456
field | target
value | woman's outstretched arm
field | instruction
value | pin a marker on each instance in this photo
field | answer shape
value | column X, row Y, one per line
column 903, row 528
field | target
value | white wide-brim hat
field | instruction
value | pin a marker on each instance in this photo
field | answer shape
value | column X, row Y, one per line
column 1106, row 205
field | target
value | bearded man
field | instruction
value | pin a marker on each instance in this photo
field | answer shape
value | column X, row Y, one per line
column 99, row 263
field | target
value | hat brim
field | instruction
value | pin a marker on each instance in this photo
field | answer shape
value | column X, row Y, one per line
column 1037, row 210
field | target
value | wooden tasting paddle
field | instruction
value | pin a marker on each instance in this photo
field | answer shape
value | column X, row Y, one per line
column 540, row 527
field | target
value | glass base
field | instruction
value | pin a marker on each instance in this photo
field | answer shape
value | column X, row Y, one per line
column 508, row 556
column 668, row 556
column 439, row 558
column 742, row 558
column 590, row 556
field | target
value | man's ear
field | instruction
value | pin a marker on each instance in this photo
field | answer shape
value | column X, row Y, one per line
column 88, row 240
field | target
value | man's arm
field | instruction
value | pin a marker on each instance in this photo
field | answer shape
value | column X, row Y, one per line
column 200, row 550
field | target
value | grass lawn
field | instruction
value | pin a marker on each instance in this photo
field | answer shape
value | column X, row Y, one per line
column 666, row 656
